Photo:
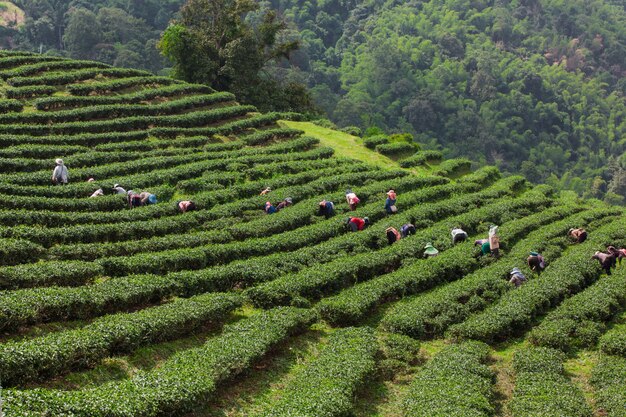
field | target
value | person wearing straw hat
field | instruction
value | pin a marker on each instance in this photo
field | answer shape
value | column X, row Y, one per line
column 390, row 202
column 430, row 251
column 60, row 176
column 517, row 278
column 327, row 209
column 392, row 235
column 536, row 262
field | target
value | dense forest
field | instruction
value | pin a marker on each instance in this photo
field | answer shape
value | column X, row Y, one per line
column 119, row 32
column 533, row 86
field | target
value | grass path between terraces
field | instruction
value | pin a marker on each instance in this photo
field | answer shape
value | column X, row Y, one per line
column 346, row 145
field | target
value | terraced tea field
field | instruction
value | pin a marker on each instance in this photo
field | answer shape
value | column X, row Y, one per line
column 227, row 311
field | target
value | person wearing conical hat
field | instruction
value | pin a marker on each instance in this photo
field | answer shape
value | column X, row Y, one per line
column 60, row 175
column 517, row 278
column 390, row 202
column 430, row 251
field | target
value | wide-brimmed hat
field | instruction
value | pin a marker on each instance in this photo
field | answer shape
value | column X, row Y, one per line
column 288, row 200
column 152, row 199
column 391, row 192
column 570, row 230
column 115, row 185
column 515, row 271
column 59, row 161
column 429, row 249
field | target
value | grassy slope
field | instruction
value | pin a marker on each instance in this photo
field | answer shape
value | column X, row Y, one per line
column 347, row 145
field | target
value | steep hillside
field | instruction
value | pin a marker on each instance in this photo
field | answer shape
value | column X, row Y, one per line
column 228, row 311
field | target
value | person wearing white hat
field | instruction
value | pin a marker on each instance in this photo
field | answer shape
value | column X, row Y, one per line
column 517, row 278
column 118, row 190
column 60, row 175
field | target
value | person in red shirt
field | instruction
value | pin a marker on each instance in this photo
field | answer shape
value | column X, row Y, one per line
column 356, row 223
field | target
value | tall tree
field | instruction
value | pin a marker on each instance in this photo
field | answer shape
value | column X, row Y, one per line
column 213, row 44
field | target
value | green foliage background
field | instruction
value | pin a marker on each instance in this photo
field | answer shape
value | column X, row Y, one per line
column 534, row 86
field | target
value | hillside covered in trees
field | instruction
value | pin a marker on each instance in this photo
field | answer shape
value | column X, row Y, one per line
column 534, row 86
column 120, row 32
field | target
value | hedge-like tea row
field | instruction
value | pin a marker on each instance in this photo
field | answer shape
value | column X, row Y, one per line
column 397, row 148
column 566, row 276
column 41, row 151
column 87, row 161
column 264, row 136
column 55, row 353
column 110, row 111
column 541, row 387
column 43, row 66
column 431, row 313
column 351, row 305
column 580, row 321
column 608, row 378
column 88, row 139
column 10, row 105
column 71, row 273
column 186, row 120
column 116, row 85
column 14, row 61
column 207, row 143
column 18, row 251
column 457, row 382
column 327, row 386
column 373, row 141
column 182, row 382
column 254, row 121
column 336, row 275
column 614, row 341
column 52, row 103
column 453, row 167
column 421, row 158
column 62, row 78
column 29, row 91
